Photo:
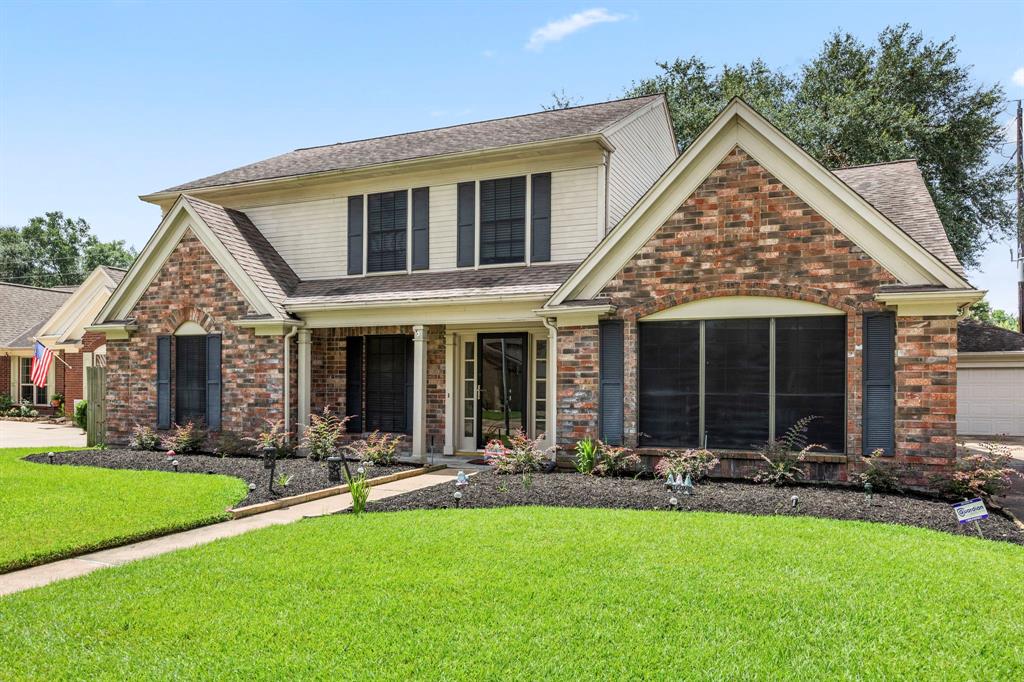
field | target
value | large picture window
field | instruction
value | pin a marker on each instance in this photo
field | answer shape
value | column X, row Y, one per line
column 387, row 228
column 735, row 383
column 503, row 221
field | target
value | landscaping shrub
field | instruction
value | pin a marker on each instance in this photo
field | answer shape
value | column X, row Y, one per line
column 5, row 403
column 187, row 437
column 520, row 455
column 377, row 448
column 882, row 475
column 695, row 463
column 980, row 474
column 144, row 438
column 230, row 445
column 586, row 455
column 275, row 437
column 613, row 460
column 783, row 456
column 322, row 434
column 359, row 488
column 23, row 409
column 82, row 414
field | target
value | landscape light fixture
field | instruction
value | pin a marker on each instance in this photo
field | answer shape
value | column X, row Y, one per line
column 869, row 492
column 458, row 497
column 50, row 456
column 795, row 500
column 252, row 486
column 673, row 502
column 174, row 464
column 360, row 471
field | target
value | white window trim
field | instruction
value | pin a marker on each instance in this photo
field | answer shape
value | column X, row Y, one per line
column 46, row 390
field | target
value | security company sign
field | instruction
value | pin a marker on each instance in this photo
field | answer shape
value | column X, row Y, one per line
column 970, row 510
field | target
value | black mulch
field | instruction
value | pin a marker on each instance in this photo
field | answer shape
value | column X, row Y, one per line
column 488, row 489
column 306, row 474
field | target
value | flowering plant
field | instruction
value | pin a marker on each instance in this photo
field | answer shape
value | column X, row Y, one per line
column 982, row 473
column 696, row 463
column 521, row 454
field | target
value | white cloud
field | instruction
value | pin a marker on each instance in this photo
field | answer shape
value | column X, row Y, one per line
column 1018, row 76
column 554, row 31
column 488, row 54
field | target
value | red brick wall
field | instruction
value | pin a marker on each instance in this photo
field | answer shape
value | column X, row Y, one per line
column 192, row 286
column 5, row 376
column 742, row 232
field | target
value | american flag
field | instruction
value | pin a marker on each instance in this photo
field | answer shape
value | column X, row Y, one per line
column 41, row 362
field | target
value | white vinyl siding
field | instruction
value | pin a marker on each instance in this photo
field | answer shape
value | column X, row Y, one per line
column 574, row 214
column 643, row 150
column 310, row 235
column 443, row 233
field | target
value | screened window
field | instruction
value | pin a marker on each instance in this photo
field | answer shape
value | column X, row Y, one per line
column 740, row 406
column 388, row 383
column 189, row 379
column 29, row 391
column 503, row 220
column 387, row 228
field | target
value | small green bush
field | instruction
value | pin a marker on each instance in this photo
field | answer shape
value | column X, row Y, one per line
column 144, row 438
column 322, row 434
column 880, row 474
column 359, row 488
column 230, row 445
column 521, row 455
column 697, row 464
column 783, row 456
column 5, row 403
column 82, row 414
column 613, row 460
column 377, row 448
column 187, row 437
column 586, row 455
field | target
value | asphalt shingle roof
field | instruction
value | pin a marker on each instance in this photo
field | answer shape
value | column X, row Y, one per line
column 898, row 190
column 455, row 284
column 494, row 134
column 978, row 337
column 23, row 310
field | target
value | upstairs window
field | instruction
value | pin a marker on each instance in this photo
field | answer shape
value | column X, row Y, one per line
column 503, row 221
column 387, row 227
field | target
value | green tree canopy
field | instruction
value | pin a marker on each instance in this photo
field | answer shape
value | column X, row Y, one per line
column 984, row 312
column 903, row 97
column 53, row 250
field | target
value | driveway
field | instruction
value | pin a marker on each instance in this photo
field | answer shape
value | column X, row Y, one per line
column 39, row 434
column 1014, row 498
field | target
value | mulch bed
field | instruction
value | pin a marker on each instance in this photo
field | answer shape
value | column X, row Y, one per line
column 307, row 475
column 489, row 489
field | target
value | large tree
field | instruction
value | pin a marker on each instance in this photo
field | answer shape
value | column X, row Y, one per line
column 903, row 97
column 52, row 250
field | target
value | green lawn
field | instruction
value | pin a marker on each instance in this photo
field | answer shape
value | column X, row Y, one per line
column 48, row 512
column 538, row 593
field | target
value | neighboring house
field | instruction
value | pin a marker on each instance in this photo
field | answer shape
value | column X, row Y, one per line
column 990, row 380
column 564, row 272
column 56, row 318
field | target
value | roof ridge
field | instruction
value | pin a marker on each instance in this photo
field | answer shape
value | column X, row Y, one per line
column 876, row 163
column 469, row 123
column 29, row 286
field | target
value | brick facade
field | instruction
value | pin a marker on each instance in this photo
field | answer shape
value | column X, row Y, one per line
column 5, row 376
column 742, row 232
column 192, row 286
column 72, row 385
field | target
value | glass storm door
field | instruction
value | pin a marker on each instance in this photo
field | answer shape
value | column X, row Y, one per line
column 502, row 371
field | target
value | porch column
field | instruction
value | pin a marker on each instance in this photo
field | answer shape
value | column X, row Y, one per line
column 449, row 393
column 551, row 401
column 419, row 393
column 305, row 369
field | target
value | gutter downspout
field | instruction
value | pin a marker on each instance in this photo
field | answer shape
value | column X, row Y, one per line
column 288, row 378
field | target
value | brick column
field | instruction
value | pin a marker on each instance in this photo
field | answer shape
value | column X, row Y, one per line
column 577, row 357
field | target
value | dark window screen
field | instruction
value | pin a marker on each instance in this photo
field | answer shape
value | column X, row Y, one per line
column 503, row 220
column 736, row 382
column 386, row 383
column 387, row 219
column 669, row 383
column 810, row 377
column 189, row 379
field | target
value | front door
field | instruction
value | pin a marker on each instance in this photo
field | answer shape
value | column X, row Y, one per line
column 502, row 371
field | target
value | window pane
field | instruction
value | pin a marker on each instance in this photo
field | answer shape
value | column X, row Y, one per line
column 503, row 220
column 190, row 379
column 386, row 383
column 736, row 382
column 669, row 383
column 387, row 226
column 810, row 377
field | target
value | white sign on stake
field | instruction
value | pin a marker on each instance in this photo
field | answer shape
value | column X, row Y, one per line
column 970, row 510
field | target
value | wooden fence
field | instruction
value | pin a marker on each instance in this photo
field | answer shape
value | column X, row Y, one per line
column 96, row 414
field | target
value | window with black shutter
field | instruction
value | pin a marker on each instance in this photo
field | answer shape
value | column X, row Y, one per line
column 503, row 221
column 386, row 383
column 190, row 379
column 387, row 228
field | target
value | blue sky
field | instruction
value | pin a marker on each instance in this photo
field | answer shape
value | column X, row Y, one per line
column 101, row 102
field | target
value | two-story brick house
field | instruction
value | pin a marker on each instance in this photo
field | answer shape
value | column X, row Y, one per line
column 565, row 272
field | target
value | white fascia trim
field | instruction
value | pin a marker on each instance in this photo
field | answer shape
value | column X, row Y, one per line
column 929, row 303
column 488, row 311
column 269, row 326
column 742, row 307
column 739, row 125
column 990, row 359
column 67, row 317
column 158, row 249
column 575, row 316
column 114, row 331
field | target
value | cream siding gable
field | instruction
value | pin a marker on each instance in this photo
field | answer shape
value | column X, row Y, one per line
column 644, row 148
column 309, row 235
column 574, row 214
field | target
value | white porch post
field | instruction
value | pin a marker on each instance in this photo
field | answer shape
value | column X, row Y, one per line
column 449, row 393
column 305, row 369
column 419, row 393
column 552, row 383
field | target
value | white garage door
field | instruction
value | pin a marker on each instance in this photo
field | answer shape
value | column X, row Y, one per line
column 990, row 401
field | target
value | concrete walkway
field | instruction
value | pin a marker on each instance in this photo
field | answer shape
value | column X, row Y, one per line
column 39, row 434
column 87, row 563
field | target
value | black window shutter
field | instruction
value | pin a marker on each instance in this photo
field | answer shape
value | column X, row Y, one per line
column 421, row 228
column 355, row 235
column 879, row 382
column 213, row 382
column 540, row 218
column 610, row 399
column 163, row 382
column 409, row 375
column 467, row 225
column 354, row 383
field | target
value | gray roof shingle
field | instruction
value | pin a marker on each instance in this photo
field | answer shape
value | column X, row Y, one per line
column 250, row 247
column 455, row 284
column 979, row 337
column 494, row 134
column 23, row 310
column 898, row 190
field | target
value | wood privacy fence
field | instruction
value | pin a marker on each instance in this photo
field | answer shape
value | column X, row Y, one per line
column 96, row 413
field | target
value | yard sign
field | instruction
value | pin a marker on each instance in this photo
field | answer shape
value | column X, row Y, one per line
column 970, row 510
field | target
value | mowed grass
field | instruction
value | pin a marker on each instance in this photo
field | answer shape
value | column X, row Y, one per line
column 48, row 512
column 538, row 593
